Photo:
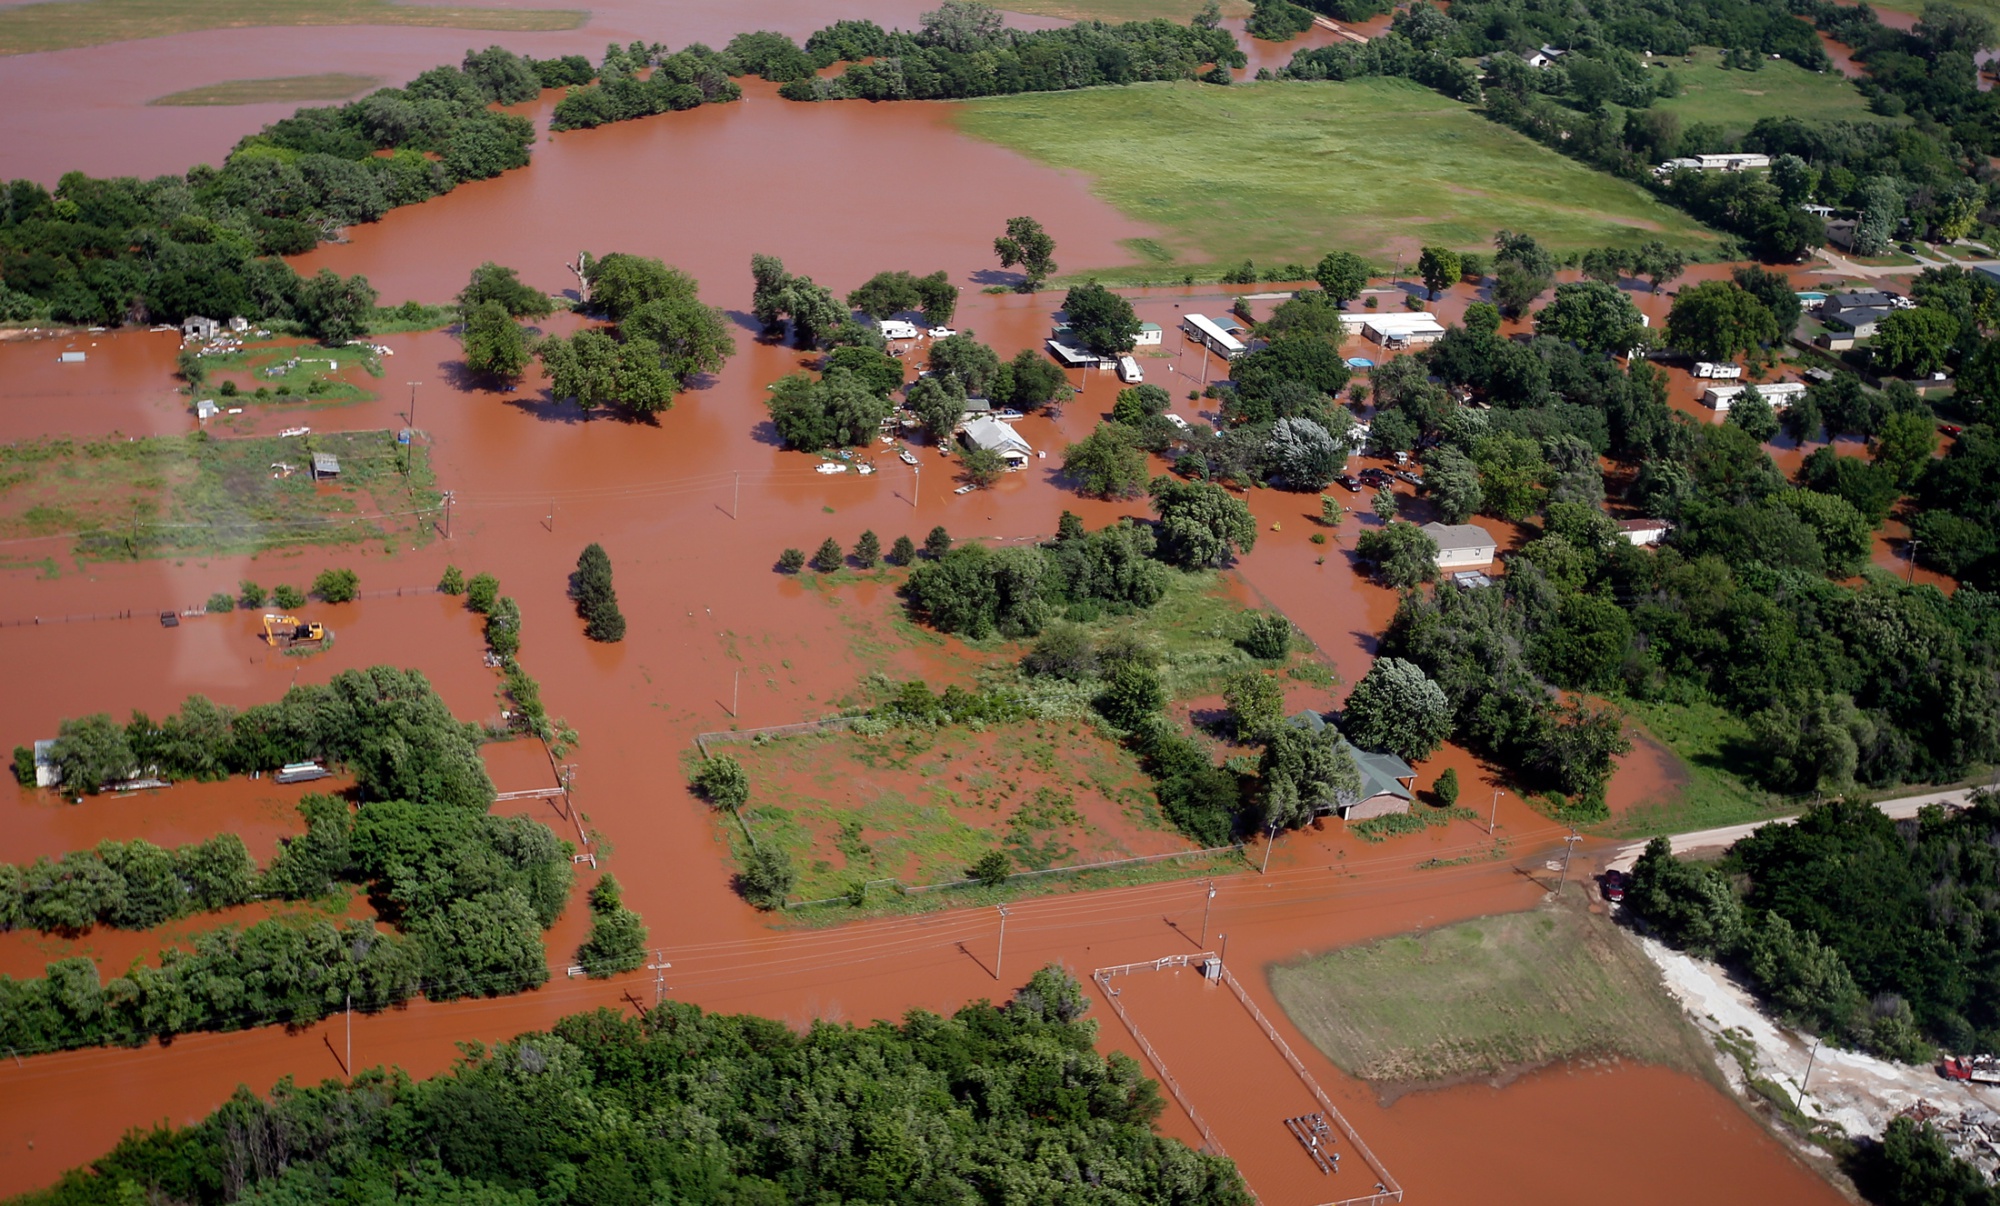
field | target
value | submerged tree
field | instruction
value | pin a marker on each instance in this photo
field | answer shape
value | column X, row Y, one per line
column 596, row 601
column 1026, row 244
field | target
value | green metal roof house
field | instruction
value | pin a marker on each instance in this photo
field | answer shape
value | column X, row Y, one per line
column 1388, row 783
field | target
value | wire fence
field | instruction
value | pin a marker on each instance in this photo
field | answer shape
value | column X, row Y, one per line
column 199, row 609
column 1102, row 976
column 899, row 886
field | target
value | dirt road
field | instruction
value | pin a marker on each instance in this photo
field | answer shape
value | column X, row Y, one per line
column 1901, row 808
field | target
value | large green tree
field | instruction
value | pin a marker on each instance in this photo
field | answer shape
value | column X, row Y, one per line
column 1592, row 315
column 495, row 345
column 1716, row 319
column 1201, row 524
column 1100, row 320
column 1396, row 707
column 1107, row 463
column 1028, row 246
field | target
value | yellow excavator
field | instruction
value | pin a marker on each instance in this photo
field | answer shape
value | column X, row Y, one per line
column 290, row 632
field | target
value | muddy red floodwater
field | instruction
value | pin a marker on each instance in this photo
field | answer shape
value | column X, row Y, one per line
column 693, row 510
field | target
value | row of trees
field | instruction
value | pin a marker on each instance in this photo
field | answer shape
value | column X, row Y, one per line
column 123, row 250
column 928, row 1109
column 694, row 77
column 388, row 726
column 867, row 552
column 962, row 49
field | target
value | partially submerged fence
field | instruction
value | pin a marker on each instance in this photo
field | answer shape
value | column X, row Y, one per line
column 747, row 736
column 1386, row 1188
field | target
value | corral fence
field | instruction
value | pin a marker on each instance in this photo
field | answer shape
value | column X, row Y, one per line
column 199, row 609
column 1386, row 1190
column 1076, row 869
column 770, row 732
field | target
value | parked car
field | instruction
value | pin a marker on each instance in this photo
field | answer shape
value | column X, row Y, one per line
column 1352, row 482
column 1376, row 477
column 1950, row 429
column 963, row 490
column 1614, row 886
column 941, row 332
column 1412, row 478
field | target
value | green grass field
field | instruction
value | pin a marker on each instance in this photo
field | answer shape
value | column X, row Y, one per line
column 333, row 85
column 1281, row 172
column 1486, row 997
column 62, row 24
column 1735, row 100
column 1713, row 746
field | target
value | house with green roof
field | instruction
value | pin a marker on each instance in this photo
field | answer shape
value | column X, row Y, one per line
column 1388, row 783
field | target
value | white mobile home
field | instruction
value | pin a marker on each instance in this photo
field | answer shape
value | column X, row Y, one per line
column 1779, row 394
column 1462, row 544
column 1210, row 334
column 1403, row 329
column 1723, row 371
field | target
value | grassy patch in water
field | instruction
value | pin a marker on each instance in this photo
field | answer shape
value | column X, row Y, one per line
column 1378, row 167
column 1487, row 997
column 170, row 495
column 332, row 85
column 63, row 24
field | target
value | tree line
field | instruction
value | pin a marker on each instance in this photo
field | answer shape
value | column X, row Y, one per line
column 963, row 49
column 124, row 250
column 992, row 1102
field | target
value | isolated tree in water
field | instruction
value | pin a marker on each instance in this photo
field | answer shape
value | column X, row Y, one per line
column 828, row 558
column 596, row 601
column 1026, row 244
column 617, row 939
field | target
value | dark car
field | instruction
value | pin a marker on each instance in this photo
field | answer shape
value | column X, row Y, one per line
column 1614, row 886
column 1376, row 477
column 1352, row 482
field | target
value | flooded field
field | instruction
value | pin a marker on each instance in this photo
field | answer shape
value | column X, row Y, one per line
column 693, row 509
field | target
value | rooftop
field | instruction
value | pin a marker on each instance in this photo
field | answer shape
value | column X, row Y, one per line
column 1451, row 536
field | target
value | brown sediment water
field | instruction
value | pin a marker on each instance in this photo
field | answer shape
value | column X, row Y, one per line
column 106, row 128
column 693, row 508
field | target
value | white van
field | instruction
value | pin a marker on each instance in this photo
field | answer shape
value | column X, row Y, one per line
column 1128, row 371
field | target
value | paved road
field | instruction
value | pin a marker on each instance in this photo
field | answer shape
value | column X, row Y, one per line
column 1710, row 839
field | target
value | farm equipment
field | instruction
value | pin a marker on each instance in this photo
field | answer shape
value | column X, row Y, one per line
column 290, row 632
column 1979, row 1069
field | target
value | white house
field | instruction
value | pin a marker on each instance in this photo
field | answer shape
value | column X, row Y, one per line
column 1150, row 335
column 1462, row 544
column 995, row 436
column 1779, row 394
column 1404, row 328
column 1644, row 531
column 1543, row 57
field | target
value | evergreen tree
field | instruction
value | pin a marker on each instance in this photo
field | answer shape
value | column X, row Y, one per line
column 791, row 561
column 938, row 543
column 828, row 558
column 903, row 551
column 617, row 939
column 596, row 601
column 868, row 550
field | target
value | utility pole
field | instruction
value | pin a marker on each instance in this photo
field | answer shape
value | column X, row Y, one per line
column 449, row 495
column 1224, row 956
column 1003, row 943
column 736, row 504
column 736, row 693
column 1205, row 911
column 917, row 491
column 1808, row 1076
column 1496, row 813
column 659, row 967
column 411, row 456
column 1271, row 841
column 551, row 520
column 350, row 1035
column 1569, row 848
column 569, row 785
column 1913, row 559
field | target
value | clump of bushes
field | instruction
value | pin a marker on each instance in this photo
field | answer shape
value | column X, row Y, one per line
column 723, row 782
column 596, row 601
column 291, row 598
column 336, row 586
column 617, row 939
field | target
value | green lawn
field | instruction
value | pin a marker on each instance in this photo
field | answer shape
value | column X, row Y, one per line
column 1713, row 747
column 62, row 24
column 1485, row 997
column 1279, row 172
column 1735, row 100
column 334, row 85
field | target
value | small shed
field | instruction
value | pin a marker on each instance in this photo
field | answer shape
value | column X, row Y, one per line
column 206, row 409
column 194, row 326
column 325, row 464
column 70, row 358
column 239, row 324
column 1461, row 545
column 1150, row 335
